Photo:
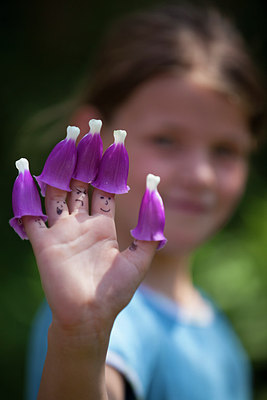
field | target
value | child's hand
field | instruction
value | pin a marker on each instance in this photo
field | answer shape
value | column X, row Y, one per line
column 87, row 281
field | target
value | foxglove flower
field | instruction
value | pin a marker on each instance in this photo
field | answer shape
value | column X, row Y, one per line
column 25, row 198
column 60, row 164
column 114, row 167
column 151, row 218
column 89, row 153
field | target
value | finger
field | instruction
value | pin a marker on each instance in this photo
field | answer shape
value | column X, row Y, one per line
column 78, row 198
column 35, row 229
column 103, row 203
column 140, row 253
column 55, row 204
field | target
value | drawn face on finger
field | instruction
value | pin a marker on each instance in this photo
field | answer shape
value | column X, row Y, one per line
column 40, row 222
column 81, row 194
column 60, row 206
column 105, row 203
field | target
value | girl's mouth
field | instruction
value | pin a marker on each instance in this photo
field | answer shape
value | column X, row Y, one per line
column 187, row 206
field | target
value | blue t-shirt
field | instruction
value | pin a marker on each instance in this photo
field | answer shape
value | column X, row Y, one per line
column 163, row 353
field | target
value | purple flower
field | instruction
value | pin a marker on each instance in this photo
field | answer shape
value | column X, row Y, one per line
column 25, row 198
column 89, row 153
column 114, row 167
column 60, row 164
column 151, row 218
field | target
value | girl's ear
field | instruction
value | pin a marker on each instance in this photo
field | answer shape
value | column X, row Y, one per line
column 82, row 116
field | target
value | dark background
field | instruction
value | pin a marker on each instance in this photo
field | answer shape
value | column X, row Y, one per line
column 46, row 48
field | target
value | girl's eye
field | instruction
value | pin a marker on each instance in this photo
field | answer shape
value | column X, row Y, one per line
column 163, row 141
column 227, row 151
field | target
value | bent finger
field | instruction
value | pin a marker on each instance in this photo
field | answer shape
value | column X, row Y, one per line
column 103, row 203
column 55, row 204
column 78, row 198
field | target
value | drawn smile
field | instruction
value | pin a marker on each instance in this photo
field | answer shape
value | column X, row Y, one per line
column 59, row 210
column 105, row 210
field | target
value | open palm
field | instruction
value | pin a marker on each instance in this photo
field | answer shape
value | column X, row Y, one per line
column 84, row 275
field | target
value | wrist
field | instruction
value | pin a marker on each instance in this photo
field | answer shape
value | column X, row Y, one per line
column 79, row 341
column 75, row 365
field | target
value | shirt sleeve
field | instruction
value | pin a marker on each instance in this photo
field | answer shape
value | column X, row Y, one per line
column 37, row 350
column 133, row 347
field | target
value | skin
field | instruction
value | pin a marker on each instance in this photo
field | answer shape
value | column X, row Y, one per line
column 60, row 207
column 197, row 141
column 105, row 203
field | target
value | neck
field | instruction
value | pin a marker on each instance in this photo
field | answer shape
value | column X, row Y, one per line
column 171, row 276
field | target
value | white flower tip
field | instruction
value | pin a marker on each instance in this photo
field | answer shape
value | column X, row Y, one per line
column 119, row 136
column 22, row 165
column 95, row 125
column 152, row 182
column 72, row 132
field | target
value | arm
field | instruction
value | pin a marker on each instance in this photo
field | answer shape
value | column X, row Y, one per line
column 73, row 369
column 115, row 384
column 87, row 281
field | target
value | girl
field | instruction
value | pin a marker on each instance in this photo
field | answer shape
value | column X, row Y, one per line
column 180, row 82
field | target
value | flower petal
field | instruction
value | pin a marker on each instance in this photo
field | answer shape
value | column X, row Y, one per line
column 114, row 167
column 89, row 153
column 151, row 218
column 25, row 198
column 60, row 164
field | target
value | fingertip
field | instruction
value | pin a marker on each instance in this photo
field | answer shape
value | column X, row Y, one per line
column 103, row 203
column 141, row 253
column 55, row 204
column 78, row 200
column 144, row 245
column 34, row 227
column 53, row 192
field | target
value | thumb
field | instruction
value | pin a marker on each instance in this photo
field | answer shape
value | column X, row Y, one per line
column 140, row 254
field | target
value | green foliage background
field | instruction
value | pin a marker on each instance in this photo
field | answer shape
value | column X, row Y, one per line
column 46, row 49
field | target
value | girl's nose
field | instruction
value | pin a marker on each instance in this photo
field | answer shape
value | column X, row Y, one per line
column 106, row 202
column 197, row 170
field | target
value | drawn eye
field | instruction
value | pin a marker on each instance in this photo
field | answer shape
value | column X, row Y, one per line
column 102, row 197
column 109, row 198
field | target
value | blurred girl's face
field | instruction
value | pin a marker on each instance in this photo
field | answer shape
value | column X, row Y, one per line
column 197, row 142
